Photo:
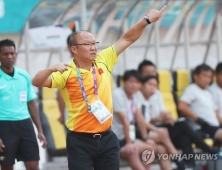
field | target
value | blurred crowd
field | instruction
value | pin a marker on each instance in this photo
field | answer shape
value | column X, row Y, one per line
column 139, row 108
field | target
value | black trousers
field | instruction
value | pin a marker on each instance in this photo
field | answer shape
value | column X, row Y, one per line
column 87, row 153
column 182, row 136
column 210, row 130
column 181, row 133
column 20, row 142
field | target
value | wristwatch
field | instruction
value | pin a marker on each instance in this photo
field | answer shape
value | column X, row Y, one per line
column 146, row 18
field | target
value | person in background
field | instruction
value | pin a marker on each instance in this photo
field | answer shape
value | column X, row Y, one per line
column 127, row 113
column 145, row 68
column 216, row 91
column 17, row 108
column 198, row 104
column 181, row 134
column 148, row 89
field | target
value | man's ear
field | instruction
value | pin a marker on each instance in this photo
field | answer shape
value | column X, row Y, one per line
column 73, row 49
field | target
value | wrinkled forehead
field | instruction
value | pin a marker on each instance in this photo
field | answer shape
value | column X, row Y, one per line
column 84, row 37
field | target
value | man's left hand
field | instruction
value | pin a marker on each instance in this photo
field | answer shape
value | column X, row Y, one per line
column 155, row 15
column 42, row 139
column 168, row 119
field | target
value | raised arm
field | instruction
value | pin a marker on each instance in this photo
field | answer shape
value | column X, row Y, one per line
column 43, row 79
column 135, row 32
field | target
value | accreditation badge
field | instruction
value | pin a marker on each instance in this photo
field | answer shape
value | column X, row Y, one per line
column 23, row 96
column 100, row 111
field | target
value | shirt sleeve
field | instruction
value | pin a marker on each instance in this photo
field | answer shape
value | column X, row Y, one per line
column 59, row 80
column 118, row 102
column 30, row 92
column 188, row 95
column 147, row 113
column 108, row 57
column 216, row 103
column 215, row 97
column 138, row 98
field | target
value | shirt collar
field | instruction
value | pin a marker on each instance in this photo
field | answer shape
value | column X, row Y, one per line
column 83, row 70
column 6, row 76
column 217, row 86
column 200, row 87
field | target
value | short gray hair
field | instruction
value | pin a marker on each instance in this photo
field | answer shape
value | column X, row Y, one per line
column 73, row 39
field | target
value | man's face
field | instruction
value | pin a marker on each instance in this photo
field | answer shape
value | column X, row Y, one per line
column 219, row 78
column 150, row 86
column 85, row 52
column 148, row 70
column 203, row 79
column 7, row 56
column 132, row 85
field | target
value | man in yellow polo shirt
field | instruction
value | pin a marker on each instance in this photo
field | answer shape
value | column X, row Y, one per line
column 86, row 88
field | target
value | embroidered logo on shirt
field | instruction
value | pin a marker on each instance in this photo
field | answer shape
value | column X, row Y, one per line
column 100, row 71
column 2, row 87
column 6, row 98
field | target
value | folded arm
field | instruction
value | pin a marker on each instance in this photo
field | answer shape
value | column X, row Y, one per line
column 185, row 109
column 43, row 79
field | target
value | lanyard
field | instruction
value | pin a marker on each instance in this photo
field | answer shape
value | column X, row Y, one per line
column 133, row 110
column 82, row 87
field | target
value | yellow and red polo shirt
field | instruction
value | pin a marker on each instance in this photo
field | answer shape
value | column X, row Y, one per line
column 79, row 120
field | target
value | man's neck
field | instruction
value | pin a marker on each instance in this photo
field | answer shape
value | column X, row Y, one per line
column 7, row 70
column 128, row 95
column 83, row 64
column 146, row 97
column 201, row 86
